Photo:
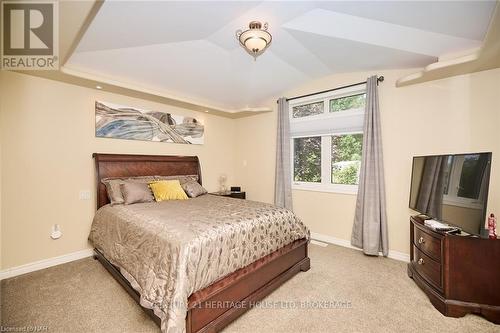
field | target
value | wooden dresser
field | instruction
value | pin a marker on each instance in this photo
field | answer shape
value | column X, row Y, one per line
column 460, row 274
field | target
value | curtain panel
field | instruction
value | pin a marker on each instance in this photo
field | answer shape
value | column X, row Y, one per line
column 369, row 230
column 283, row 173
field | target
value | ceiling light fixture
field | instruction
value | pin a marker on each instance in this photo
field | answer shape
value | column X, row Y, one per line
column 98, row 87
column 256, row 39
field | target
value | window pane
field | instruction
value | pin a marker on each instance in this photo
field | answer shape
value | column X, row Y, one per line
column 307, row 159
column 472, row 176
column 308, row 109
column 346, row 158
column 348, row 102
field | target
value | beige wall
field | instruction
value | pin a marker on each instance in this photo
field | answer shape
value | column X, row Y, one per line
column 47, row 138
column 459, row 114
column 47, row 135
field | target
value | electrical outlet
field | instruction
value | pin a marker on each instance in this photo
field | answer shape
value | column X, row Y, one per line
column 84, row 195
column 56, row 232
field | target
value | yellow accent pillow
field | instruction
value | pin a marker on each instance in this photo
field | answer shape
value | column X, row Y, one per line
column 168, row 190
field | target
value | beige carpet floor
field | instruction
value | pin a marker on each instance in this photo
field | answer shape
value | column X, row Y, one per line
column 373, row 295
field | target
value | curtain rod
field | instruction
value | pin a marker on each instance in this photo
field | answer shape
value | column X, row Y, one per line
column 379, row 79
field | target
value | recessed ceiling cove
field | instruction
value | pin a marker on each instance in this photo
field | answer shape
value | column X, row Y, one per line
column 188, row 50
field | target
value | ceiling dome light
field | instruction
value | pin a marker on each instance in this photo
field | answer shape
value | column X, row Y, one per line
column 255, row 40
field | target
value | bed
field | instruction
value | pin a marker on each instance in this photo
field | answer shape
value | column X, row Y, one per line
column 219, row 285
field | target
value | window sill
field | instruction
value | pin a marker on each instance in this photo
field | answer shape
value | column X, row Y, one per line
column 326, row 188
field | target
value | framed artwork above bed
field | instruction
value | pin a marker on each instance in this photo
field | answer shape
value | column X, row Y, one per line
column 123, row 122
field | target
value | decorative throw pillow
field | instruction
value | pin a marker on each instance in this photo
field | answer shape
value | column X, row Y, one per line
column 193, row 189
column 136, row 193
column 113, row 187
column 168, row 190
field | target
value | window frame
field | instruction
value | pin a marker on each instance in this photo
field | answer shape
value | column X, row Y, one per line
column 326, row 184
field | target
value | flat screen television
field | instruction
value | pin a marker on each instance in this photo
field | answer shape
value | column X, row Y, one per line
column 452, row 189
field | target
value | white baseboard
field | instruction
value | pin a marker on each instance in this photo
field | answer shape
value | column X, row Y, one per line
column 45, row 263
column 401, row 256
column 345, row 243
column 317, row 242
column 38, row 265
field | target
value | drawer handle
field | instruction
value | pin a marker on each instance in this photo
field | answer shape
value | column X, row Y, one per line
column 421, row 261
column 421, row 240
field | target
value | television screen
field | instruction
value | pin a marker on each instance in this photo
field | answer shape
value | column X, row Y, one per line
column 452, row 189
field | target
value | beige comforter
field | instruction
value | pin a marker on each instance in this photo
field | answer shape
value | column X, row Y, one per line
column 169, row 250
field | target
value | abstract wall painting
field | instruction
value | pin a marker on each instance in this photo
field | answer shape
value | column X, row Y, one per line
column 122, row 122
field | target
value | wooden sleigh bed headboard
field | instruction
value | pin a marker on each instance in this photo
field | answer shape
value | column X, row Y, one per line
column 120, row 165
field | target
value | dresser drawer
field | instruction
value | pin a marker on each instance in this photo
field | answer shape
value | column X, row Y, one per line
column 427, row 243
column 428, row 268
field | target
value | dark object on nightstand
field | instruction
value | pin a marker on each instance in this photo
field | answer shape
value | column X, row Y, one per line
column 459, row 273
column 232, row 194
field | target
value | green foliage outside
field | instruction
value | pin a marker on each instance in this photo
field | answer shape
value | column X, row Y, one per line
column 346, row 158
column 346, row 103
column 345, row 149
column 307, row 159
column 347, row 175
column 307, row 109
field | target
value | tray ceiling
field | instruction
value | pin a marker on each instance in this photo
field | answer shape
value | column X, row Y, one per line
column 189, row 50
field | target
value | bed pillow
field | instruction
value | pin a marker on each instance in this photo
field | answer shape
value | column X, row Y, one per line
column 114, row 192
column 193, row 189
column 168, row 190
column 182, row 178
column 136, row 193
column 113, row 187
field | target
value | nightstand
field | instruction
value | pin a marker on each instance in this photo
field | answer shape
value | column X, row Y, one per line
column 238, row 195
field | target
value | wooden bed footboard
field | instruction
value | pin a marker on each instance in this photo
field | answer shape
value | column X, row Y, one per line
column 216, row 306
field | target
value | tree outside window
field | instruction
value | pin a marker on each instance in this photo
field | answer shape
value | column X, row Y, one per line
column 347, row 103
column 346, row 158
column 307, row 159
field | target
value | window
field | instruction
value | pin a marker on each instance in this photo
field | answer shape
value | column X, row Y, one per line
column 347, row 103
column 346, row 158
column 308, row 109
column 327, row 140
column 307, row 159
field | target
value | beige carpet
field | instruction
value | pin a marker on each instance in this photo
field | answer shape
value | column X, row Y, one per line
column 374, row 295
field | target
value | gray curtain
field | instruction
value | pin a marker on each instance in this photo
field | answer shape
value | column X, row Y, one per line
column 283, row 179
column 430, row 192
column 369, row 231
